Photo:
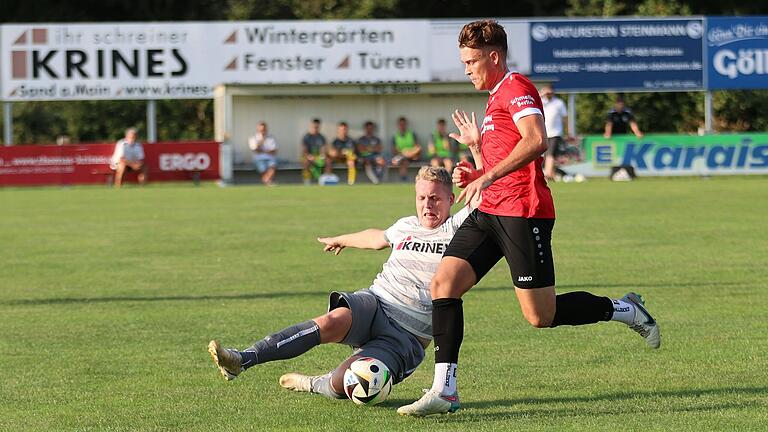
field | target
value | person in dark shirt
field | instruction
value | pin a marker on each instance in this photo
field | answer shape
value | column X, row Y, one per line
column 620, row 120
column 342, row 150
column 369, row 148
column 313, row 150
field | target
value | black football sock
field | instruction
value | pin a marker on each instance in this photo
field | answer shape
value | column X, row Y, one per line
column 287, row 343
column 581, row 307
column 447, row 329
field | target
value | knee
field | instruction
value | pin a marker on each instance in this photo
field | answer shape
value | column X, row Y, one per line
column 440, row 287
column 334, row 325
column 340, row 318
column 540, row 320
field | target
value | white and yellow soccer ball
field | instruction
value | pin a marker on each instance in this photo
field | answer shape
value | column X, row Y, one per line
column 367, row 381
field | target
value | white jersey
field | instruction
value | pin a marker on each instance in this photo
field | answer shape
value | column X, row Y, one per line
column 268, row 143
column 402, row 287
column 132, row 152
column 554, row 113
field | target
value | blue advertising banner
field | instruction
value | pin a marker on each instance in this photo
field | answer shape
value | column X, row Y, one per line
column 621, row 55
column 675, row 155
column 737, row 51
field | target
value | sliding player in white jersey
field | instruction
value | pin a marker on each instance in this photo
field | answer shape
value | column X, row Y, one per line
column 390, row 321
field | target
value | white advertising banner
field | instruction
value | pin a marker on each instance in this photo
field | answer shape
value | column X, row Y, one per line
column 106, row 61
column 444, row 38
column 186, row 60
column 325, row 52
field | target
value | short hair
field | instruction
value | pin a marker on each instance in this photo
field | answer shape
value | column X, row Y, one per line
column 316, row 120
column 131, row 129
column 402, row 119
column 437, row 175
column 441, row 121
column 343, row 123
column 368, row 123
column 483, row 33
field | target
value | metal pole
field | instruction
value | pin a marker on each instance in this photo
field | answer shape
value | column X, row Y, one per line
column 708, row 112
column 383, row 126
column 572, row 114
column 7, row 123
column 151, row 121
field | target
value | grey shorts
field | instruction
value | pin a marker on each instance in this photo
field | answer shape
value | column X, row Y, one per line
column 374, row 334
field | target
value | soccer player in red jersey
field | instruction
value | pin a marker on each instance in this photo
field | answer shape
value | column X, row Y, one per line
column 514, row 220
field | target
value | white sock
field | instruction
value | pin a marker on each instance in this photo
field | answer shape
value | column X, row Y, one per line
column 445, row 378
column 623, row 312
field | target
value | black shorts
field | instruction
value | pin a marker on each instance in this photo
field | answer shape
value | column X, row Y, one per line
column 526, row 244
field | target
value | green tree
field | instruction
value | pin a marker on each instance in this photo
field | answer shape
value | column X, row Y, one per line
column 184, row 120
column 740, row 110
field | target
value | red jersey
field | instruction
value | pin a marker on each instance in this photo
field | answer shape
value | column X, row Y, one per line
column 522, row 193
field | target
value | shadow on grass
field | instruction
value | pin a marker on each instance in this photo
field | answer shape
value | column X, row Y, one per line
column 666, row 401
column 627, row 285
column 75, row 300
column 280, row 294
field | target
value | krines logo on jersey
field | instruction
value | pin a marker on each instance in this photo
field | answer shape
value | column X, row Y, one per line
column 427, row 247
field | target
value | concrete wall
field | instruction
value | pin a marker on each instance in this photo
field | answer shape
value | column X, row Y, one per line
column 288, row 116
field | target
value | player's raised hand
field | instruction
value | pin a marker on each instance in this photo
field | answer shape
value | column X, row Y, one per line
column 331, row 245
column 464, row 173
column 469, row 132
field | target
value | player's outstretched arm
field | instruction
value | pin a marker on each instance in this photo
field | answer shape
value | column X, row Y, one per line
column 367, row 239
column 532, row 144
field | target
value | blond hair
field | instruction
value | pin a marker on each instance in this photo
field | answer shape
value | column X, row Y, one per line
column 437, row 175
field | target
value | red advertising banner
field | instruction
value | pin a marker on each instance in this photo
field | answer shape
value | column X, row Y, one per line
column 89, row 163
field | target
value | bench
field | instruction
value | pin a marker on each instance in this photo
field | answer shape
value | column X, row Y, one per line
column 290, row 172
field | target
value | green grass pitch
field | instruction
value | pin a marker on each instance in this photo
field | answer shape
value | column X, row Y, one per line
column 108, row 299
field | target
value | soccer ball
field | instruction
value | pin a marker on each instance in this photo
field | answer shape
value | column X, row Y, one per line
column 367, row 381
column 328, row 180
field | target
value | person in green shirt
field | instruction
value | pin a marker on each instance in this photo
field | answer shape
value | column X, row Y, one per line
column 405, row 148
column 442, row 148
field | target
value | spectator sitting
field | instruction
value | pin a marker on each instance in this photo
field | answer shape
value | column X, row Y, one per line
column 369, row 153
column 63, row 140
column 129, row 156
column 264, row 146
column 405, row 148
column 620, row 120
column 442, row 147
column 312, row 152
column 342, row 150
